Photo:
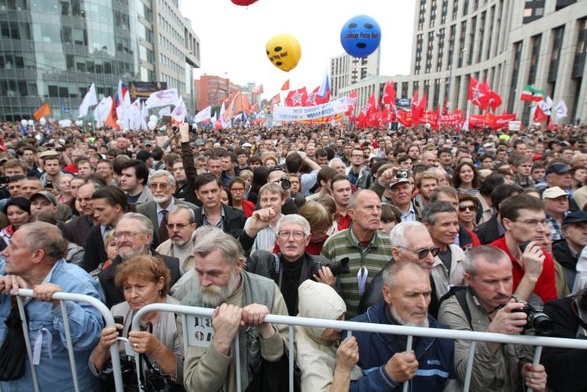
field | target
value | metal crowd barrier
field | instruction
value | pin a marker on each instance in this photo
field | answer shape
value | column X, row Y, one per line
column 109, row 319
column 538, row 341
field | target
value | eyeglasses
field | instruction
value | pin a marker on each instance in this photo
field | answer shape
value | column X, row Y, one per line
column 423, row 253
column 534, row 222
column 127, row 234
column 159, row 185
column 470, row 207
column 297, row 235
column 178, row 225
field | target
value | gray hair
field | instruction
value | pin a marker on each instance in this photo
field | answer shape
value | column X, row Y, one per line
column 491, row 254
column 45, row 236
column 162, row 173
column 216, row 239
column 294, row 219
column 429, row 214
column 391, row 271
column 146, row 226
column 182, row 207
column 335, row 160
column 398, row 233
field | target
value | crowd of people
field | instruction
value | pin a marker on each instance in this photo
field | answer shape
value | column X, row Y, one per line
column 470, row 230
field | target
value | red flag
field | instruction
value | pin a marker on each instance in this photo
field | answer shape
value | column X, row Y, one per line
column 415, row 101
column 285, row 85
column 494, row 100
column 275, row 100
column 418, row 108
column 370, row 106
column 296, row 97
column 404, row 118
column 539, row 115
column 478, row 93
column 388, row 94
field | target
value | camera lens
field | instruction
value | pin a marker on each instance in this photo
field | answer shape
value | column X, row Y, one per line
column 285, row 184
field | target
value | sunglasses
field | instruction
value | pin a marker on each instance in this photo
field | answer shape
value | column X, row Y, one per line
column 423, row 253
column 465, row 208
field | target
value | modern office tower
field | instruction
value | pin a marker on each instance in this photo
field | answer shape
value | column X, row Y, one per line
column 53, row 50
column 508, row 44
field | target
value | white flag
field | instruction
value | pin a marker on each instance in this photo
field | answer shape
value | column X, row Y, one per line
column 102, row 110
column 163, row 98
column 225, row 123
column 179, row 111
column 561, row 109
column 546, row 105
column 135, row 122
column 166, row 111
column 203, row 115
column 90, row 99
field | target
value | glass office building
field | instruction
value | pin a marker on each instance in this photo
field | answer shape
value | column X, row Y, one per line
column 53, row 50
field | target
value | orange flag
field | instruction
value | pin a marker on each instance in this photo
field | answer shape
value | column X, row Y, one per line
column 44, row 110
column 285, row 85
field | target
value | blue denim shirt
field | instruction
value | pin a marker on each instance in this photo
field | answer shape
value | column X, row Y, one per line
column 46, row 323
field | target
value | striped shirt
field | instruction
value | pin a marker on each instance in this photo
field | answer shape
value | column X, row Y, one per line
column 373, row 257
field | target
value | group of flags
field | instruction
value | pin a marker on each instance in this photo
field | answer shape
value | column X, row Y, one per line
column 119, row 112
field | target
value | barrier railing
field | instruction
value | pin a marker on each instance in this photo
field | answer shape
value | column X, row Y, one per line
column 538, row 341
column 62, row 297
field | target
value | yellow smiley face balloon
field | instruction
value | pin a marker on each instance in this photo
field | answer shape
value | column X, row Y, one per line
column 284, row 51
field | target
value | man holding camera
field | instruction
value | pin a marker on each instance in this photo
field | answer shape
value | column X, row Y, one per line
column 292, row 265
column 487, row 305
column 400, row 190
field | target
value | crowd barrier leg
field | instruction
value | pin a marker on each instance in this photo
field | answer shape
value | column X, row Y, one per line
column 469, row 369
column 536, row 360
column 409, row 344
column 62, row 297
column 27, row 340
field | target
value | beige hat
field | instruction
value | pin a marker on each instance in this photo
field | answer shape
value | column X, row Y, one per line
column 553, row 193
column 48, row 153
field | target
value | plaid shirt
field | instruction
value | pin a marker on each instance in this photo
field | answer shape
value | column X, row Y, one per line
column 555, row 228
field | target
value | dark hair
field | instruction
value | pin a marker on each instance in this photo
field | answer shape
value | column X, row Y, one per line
column 113, row 196
column 20, row 202
column 456, row 178
column 206, row 178
column 293, row 162
column 490, row 182
column 390, row 213
column 260, row 175
column 502, row 192
column 157, row 153
column 325, row 174
column 141, row 169
column 512, row 206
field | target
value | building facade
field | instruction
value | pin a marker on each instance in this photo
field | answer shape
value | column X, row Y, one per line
column 508, row 44
column 346, row 70
column 53, row 50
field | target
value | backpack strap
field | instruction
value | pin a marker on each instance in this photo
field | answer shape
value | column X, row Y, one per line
column 460, row 292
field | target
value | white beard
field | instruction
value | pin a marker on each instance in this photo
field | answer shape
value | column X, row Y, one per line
column 400, row 320
column 216, row 295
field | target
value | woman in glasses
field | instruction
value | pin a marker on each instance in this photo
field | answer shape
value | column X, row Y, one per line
column 468, row 207
column 145, row 280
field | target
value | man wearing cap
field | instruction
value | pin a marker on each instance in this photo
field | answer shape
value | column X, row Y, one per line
column 400, row 190
column 556, row 205
column 566, row 251
column 43, row 202
column 558, row 174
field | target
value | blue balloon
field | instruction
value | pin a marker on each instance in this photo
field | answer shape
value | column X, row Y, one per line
column 360, row 36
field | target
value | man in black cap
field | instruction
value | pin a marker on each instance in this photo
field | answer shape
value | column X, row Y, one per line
column 567, row 251
column 558, row 174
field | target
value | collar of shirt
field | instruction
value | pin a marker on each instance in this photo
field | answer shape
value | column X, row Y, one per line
column 169, row 207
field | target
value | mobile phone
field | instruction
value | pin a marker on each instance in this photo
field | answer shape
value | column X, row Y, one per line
column 524, row 245
column 119, row 320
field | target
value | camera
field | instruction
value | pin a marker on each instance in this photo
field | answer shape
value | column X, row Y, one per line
column 285, row 184
column 401, row 174
column 337, row 268
column 537, row 319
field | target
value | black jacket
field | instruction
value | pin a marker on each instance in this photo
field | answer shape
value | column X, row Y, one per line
column 234, row 220
column 488, row 231
column 114, row 295
column 78, row 230
column 562, row 254
column 565, row 367
column 95, row 251
column 269, row 265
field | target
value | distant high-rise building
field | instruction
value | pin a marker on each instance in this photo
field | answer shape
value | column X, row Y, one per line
column 346, row 70
column 53, row 51
column 508, row 44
